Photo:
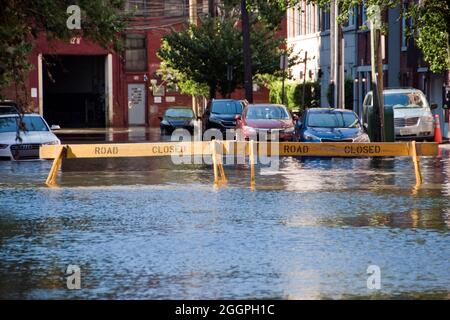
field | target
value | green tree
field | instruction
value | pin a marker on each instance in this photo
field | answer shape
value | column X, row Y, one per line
column 204, row 54
column 21, row 22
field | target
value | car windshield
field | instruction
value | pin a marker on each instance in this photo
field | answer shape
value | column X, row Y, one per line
column 179, row 113
column 10, row 124
column 404, row 100
column 272, row 112
column 333, row 120
column 226, row 107
column 5, row 109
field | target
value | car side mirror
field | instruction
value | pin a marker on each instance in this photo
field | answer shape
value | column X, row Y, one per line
column 55, row 127
column 433, row 106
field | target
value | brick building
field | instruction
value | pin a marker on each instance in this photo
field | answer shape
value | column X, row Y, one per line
column 80, row 84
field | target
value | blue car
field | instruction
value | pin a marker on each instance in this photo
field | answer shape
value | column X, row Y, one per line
column 331, row 125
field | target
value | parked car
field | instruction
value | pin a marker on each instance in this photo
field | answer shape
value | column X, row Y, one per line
column 176, row 118
column 8, row 107
column 221, row 114
column 331, row 125
column 412, row 113
column 33, row 133
column 266, row 119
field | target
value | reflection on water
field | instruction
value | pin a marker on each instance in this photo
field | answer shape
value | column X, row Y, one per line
column 309, row 230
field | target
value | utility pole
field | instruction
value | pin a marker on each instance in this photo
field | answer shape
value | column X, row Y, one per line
column 304, row 79
column 193, row 19
column 337, row 56
column 283, row 66
column 341, row 68
column 377, row 72
column 193, row 12
column 248, row 85
column 333, row 70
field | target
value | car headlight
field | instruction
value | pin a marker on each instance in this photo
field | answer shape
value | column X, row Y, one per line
column 53, row 142
column 362, row 138
column 428, row 118
column 215, row 120
column 289, row 129
column 310, row 137
column 4, row 146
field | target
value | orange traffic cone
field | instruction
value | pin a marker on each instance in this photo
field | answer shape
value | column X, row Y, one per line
column 437, row 130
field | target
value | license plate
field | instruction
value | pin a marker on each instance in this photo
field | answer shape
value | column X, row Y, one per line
column 405, row 132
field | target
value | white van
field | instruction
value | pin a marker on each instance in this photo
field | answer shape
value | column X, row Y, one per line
column 412, row 113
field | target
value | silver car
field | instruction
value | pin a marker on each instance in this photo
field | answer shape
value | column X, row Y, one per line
column 412, row 113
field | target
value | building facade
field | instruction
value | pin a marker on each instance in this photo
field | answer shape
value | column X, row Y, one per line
column 308, row 30
column 80, row 84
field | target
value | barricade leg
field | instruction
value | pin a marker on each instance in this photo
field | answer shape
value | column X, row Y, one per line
column 214, row 158
column 252, row 163
column 51, row 179
column 416, row 161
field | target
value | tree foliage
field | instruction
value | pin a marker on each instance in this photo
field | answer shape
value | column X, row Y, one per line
column 205, row 53
column 21, row 22
column 293, row 92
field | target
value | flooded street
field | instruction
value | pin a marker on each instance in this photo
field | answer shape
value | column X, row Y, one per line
column 158, row 231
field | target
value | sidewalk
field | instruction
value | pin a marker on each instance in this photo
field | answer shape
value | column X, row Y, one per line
column 103, row 135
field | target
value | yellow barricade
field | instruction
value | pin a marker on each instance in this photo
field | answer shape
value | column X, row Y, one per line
column 248, row 148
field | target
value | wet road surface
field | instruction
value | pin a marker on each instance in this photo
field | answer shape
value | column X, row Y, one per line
column 158, row 231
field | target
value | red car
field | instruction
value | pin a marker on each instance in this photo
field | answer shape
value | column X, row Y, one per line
column 267, row 119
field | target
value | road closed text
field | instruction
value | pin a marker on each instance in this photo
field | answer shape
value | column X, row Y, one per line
column 363, row 150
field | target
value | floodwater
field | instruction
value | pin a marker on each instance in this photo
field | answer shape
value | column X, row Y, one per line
column 159, row 231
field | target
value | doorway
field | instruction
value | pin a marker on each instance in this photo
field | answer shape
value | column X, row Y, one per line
column 74, row 91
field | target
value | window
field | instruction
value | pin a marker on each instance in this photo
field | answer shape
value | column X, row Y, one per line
column 325, row 19
column 363, row 13
column 226, row 107
column 405, row 24
column 29, row 123
column 137, row 7
column 299, row 20
column 334, row 119
column 352, row 16
column 157, row 8
column 179, row 113
column 174, row 8
column 267, row 113
column 309, row 19
column 135, row 52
